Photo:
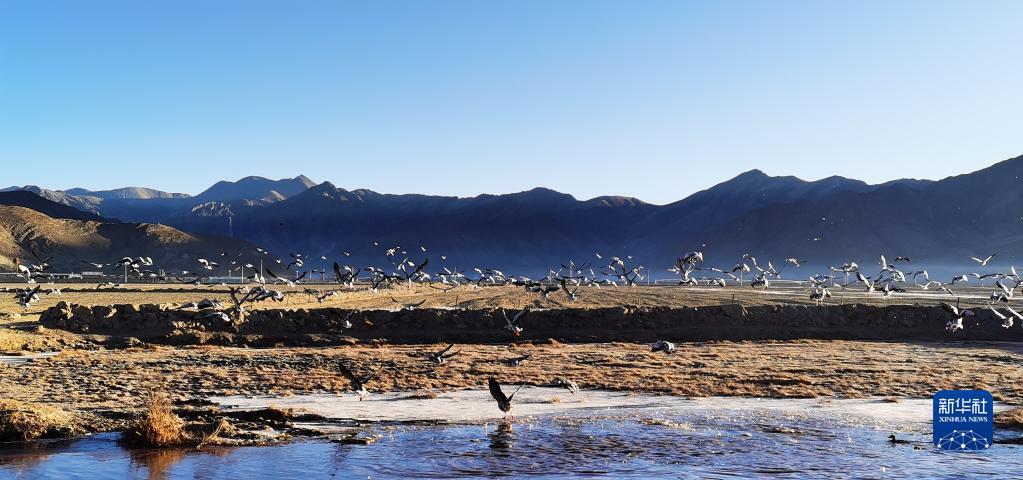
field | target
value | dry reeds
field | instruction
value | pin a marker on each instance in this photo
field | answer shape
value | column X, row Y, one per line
column 222, row 427
column 22, row 421
column 158, row 426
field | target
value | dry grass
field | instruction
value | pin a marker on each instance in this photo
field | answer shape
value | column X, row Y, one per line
column 116, row 379
column 159, row 426
column 223, row 428
column 508, row 297
column 22, row 421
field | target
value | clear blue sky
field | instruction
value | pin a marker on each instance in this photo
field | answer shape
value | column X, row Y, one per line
column 649, row 99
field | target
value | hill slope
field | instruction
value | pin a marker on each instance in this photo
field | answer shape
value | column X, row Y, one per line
column 27, row 199
column 70, row 241
column 944, row 221
column 83, row 203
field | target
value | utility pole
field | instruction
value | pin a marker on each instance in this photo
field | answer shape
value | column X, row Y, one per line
column 125, row 273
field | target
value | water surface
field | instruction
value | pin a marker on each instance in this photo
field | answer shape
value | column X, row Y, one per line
column 593, row 434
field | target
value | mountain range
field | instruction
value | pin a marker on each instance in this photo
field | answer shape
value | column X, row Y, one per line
column 827, row 221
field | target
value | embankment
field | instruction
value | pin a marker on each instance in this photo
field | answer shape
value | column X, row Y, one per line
column 327, row 326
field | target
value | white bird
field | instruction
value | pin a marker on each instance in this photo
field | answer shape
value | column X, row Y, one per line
column 662, row 346
column 956, row 323
column 1006, row 321
column 866, row 281
column 983, row 262
column 1005, row 288
column 208, row 265
column 818, row 294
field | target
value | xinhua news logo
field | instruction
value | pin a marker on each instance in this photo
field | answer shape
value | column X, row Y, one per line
column 963, row 420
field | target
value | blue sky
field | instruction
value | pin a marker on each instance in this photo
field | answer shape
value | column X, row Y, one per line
column 649, row 99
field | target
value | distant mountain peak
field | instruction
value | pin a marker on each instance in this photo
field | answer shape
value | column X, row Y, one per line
column 541, row 194
column 140, row 193
column 616, row 201
column 84, row 204
column 325, row 186
column 756, row 172
column 255, row 188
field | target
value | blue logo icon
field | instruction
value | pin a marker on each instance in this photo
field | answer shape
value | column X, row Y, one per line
column 963, row 420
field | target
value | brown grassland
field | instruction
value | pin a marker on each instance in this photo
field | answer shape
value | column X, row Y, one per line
column 113, row 389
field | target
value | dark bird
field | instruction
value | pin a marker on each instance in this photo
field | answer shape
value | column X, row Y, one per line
column 441, row 356
column 195, row 281
column 503, row 402
column 27, row 297
column 541, row 288
column 358, row 383
column 408, row 306
column 514, row 362
column 98, row 266
column 289, row 282
column 895, row 441
column 571, row 294
column 346, row 275
column 320, row 296
column 512, row 324
column 567, row 385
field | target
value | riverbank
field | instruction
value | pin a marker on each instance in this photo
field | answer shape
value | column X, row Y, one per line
column 730, row 342
column 109, row 386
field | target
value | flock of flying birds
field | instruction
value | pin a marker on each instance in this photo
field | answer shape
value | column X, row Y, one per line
column 404, row 268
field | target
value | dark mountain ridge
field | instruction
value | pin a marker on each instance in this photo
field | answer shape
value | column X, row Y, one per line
column 831, row 220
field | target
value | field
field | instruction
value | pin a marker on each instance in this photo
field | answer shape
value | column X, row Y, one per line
column 106, row 385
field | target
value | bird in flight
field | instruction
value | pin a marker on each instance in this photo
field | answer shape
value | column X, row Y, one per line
column 956, row 323
column 358, row 383
column 983, row 262
column 442, row 356
column 408, row 306
column 512, row 324
column 514, row 362
column 504, row 403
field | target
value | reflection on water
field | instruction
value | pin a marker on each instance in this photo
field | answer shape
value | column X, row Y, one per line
column 503, row 437
column 639, row 443
column 157, row 463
